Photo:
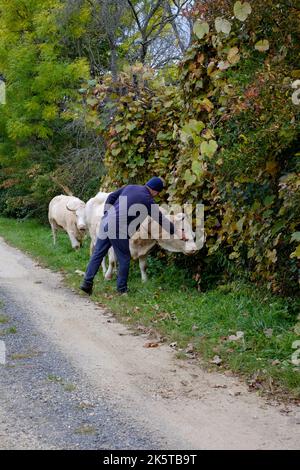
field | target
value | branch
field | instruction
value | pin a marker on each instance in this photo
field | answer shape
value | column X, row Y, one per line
column 168, row 19
column 62, row 186
column 175, row 29
column 152, row 13
column 135, row 15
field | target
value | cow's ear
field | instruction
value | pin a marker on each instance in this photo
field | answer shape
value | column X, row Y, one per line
column 73, row 205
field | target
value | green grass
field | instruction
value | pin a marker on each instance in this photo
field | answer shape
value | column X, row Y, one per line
column 54, row 378
column 85, row 429
column 67, row 386
column 169, row 304
column 21, row 356
column 8, row 331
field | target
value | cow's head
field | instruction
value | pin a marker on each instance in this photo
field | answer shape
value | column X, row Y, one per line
column 78, row 208
column 187, row 247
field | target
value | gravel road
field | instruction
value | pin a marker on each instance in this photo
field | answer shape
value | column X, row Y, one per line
column 46, row 403
column 74, row 378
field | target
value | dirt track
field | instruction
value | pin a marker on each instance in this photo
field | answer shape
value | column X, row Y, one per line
column 75, row 378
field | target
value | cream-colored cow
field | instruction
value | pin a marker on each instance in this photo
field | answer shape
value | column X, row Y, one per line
column 148, row 235
column 94, row 211
column 68, row 213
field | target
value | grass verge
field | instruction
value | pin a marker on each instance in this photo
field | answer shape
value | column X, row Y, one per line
column 200, row 323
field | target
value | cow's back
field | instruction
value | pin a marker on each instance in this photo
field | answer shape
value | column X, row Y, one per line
column 59, row 213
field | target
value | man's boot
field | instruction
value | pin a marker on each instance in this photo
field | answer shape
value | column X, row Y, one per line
column 123, row 291
column 87, row 287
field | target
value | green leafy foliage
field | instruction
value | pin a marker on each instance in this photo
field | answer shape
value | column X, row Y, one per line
column 222, row 25
column 201, row 28
column 37, row 138
column 262, row 45
column 242, row 10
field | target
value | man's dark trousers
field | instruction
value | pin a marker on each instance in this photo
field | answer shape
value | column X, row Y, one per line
column 121, row 248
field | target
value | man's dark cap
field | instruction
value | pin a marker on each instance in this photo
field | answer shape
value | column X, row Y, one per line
column 156, row 184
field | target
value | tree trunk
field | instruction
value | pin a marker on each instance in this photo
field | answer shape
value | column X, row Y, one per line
column 174, row 27
column 143, row 53
column 113, row 63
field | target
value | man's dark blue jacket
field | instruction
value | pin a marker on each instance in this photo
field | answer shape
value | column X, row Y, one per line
column 120, row 212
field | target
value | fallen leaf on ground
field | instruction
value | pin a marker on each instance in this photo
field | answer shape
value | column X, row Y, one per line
column 239, row 335
column 153, row 334
column 285, row 411
column 268, row 332
column 190, row 348
column 151, row 345
column 141, row 328
column 255, row 381
column 80, row 273
column 275, row 362
column 216, row 360
column 108, row 297
column 228, row 373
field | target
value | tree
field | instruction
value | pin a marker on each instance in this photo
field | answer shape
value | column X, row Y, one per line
column 157, row 22
column 107, row 18
column 41, row 82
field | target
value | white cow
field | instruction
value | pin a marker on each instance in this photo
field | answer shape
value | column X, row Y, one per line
column 148, row 235
column 94, row 211
column 68, row 213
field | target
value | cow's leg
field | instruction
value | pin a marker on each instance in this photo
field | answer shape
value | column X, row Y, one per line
column 92, row 247
column 53, row 228
column 103, row 264
column 74, row 242
column 143, row 266
column 81, row 241
column 111, row 264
